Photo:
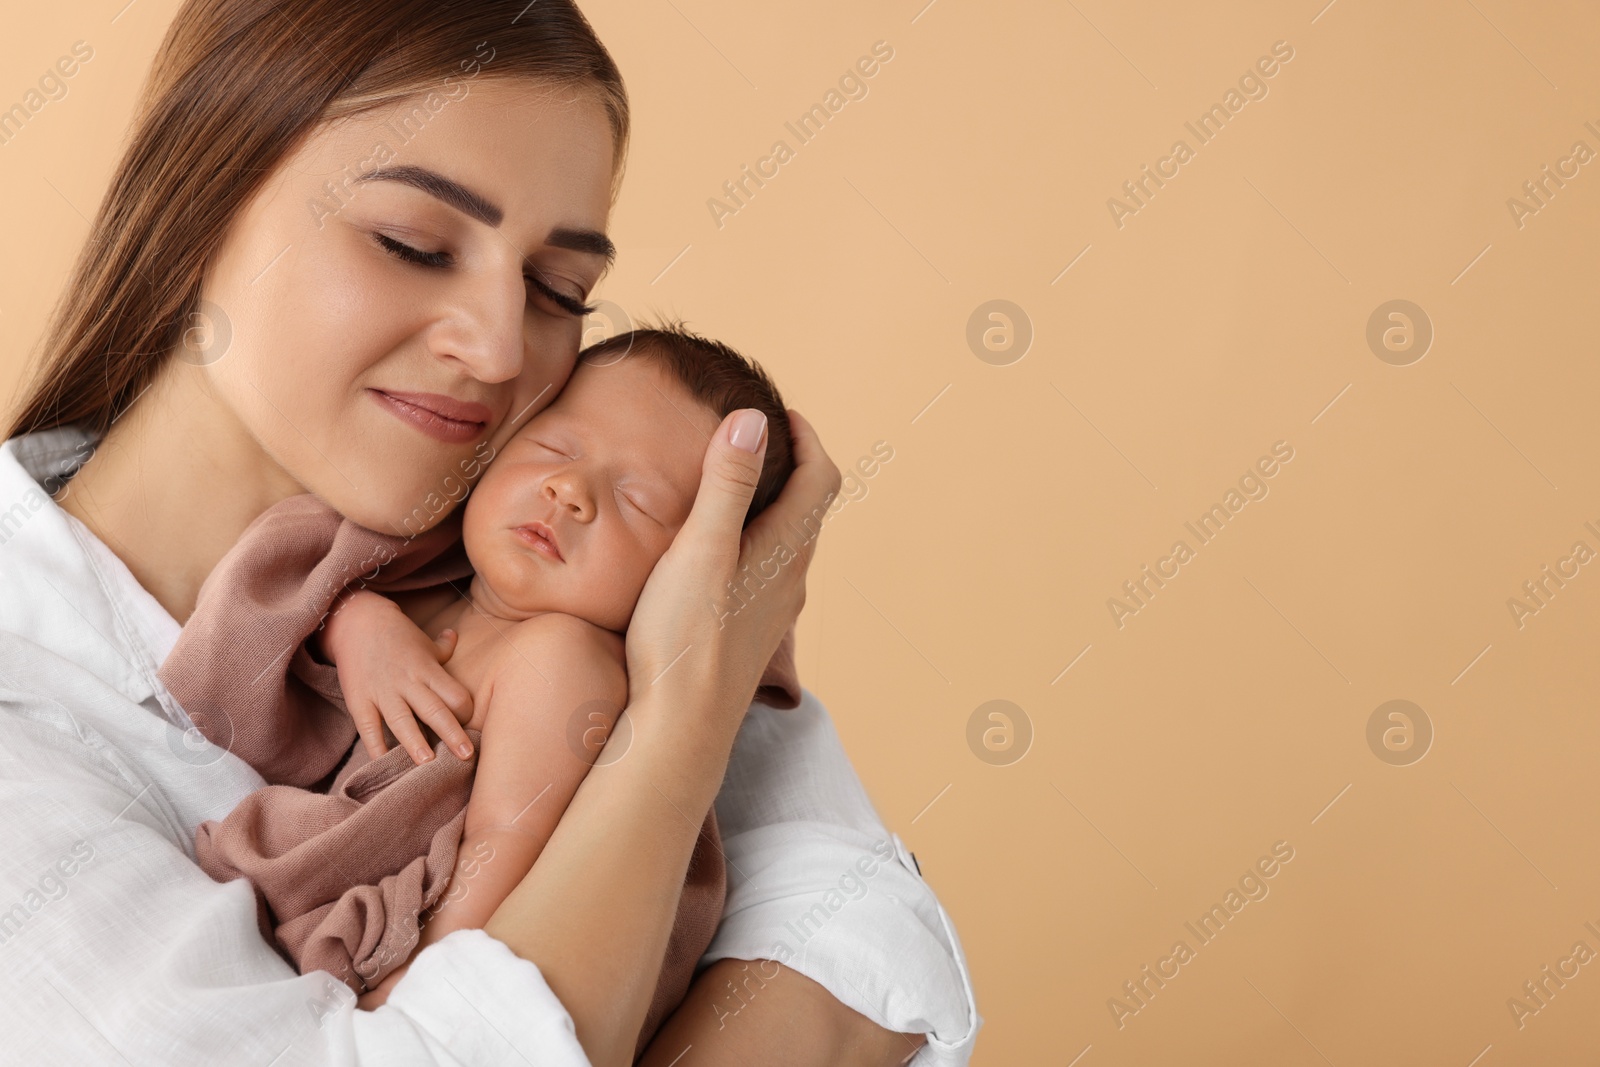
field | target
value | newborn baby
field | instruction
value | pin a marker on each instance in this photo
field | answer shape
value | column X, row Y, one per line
column 562, row 531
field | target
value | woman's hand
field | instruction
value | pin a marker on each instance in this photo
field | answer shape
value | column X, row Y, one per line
column 597, row 910
column 692, row 639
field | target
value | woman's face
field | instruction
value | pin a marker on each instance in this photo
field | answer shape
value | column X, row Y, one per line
column 406, row 290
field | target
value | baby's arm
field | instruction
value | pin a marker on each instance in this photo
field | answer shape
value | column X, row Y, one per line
column 390, row 672
column 553, row 697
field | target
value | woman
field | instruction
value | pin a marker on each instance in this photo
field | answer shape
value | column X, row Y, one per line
column 347, row 251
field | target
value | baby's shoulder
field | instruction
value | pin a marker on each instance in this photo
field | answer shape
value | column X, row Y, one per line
column 554, row 641
column 559, row 626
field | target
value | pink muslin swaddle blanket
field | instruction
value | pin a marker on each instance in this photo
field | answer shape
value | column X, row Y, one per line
column 344, row 867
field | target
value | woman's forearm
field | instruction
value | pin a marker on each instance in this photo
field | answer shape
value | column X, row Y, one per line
column 740, row 1012
column 597, row 910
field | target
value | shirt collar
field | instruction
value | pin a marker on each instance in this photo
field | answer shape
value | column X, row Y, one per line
column 61, row 587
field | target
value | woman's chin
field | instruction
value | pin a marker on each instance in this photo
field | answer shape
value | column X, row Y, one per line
column 410, row 514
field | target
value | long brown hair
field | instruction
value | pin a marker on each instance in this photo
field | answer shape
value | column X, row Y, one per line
column 235, row 87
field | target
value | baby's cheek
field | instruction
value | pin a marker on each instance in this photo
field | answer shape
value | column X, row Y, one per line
column 631, row 579
column 664, row 541
column 653, row 553
column 637, row 573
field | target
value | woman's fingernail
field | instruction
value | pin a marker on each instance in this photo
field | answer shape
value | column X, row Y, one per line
column 748, row 426
column 465, row 750
column 423, row 755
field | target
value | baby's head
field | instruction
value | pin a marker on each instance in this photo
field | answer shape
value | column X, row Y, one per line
column 610, row 470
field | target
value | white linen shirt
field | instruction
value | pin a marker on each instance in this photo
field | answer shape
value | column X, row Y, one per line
column 116, row 948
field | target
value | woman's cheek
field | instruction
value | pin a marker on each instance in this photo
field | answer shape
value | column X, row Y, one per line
column 553, row 345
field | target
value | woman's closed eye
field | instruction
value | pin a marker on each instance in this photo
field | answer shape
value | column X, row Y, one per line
column 572, row 305
column 568, row 303
column 401, row 250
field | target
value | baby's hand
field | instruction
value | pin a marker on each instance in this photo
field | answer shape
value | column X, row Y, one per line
column 390, row 672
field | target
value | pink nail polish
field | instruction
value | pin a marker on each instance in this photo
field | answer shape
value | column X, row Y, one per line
column 748, row 429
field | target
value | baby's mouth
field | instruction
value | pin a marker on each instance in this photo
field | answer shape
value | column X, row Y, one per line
column 541, row 537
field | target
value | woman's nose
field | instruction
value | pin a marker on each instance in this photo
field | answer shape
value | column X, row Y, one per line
column 485, row 327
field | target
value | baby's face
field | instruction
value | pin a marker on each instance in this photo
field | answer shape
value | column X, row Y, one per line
column 609, row 471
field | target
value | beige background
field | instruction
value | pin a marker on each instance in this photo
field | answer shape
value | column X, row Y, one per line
column 1229, row 313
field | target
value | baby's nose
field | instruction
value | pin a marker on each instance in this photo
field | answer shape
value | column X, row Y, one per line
column 569, row 491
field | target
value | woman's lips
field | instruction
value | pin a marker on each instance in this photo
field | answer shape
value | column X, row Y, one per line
column 443, row 418
column 541, row 537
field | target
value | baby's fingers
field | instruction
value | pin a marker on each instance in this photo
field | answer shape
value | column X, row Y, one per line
column 369, row 724
column 456, row 696
column 397, row 713
column 433, row 711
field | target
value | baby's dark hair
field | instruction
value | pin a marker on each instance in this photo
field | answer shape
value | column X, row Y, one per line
column 722, row 380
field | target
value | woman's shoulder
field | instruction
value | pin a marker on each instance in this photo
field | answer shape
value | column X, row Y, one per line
column 79, row 650
column 64, row 590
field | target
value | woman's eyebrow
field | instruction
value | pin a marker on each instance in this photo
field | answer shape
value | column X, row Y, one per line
column 438, row 186
column 479, row 207
column 591, row 241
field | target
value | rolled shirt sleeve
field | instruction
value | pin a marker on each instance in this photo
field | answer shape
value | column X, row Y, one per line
column 818, row 883
column 118, row 949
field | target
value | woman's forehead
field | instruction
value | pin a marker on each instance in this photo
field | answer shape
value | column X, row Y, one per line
column 543, row 159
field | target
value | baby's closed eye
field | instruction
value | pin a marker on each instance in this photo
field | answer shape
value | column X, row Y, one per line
column 639, row 502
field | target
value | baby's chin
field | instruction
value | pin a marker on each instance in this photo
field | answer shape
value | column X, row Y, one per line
column 502, row 582
column 521, row 603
